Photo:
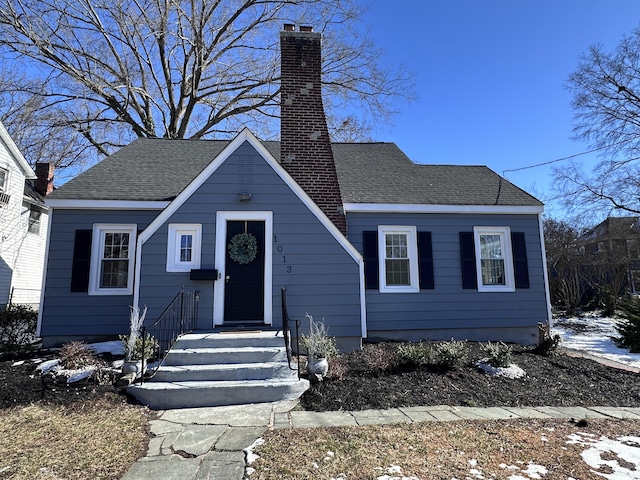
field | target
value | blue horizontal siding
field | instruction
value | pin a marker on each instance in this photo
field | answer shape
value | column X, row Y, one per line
column 448, row 305
column 76, row 314
column 324, row 278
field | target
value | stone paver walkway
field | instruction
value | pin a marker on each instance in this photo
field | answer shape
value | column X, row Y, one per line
column 210, row 443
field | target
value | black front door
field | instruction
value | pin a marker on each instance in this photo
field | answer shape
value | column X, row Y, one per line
column 244, row 282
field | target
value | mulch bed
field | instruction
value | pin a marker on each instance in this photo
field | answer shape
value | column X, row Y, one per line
column 366, row 383
column 557, row 380
column 21, row 384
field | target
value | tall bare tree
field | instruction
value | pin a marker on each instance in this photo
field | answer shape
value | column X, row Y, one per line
column 94, row 74
column 606, row 104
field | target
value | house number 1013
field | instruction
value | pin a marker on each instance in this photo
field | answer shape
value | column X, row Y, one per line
column 280, row 249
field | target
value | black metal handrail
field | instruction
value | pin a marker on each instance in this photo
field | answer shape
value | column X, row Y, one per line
column 178, row 318
column 287, row 332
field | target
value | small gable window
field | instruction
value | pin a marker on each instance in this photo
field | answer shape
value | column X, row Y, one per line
column 398, row 255
column 112, row 259
column 183, row 247
column 4, row 179
column 35, row 217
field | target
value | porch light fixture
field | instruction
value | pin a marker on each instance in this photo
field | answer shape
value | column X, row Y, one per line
column 244, row 196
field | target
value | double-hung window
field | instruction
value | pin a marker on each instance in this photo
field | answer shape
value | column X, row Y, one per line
column 399, row 259
column 183, row 247
column 112, row 256
column 494, row 260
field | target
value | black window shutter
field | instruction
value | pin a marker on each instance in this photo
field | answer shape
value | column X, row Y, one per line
column 81, row 261
column 468, row 260
column 371, row 261
column 425, row 258
column 520, row 264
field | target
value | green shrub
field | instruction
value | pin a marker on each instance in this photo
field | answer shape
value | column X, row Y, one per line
column 629, row 327
column 498, row 354
column 415, row 354
column 451, row 354
column 150, row 347
column 18, row 325
column 443, row 356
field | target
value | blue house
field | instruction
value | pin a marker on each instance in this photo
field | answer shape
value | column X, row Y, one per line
column 359, row 235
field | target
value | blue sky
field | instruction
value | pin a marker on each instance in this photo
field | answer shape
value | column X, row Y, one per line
column 490, row 76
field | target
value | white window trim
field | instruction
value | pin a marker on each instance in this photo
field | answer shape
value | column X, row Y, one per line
column 505, row 236
column 97, row 247
column 412, row 250
column 176, row 230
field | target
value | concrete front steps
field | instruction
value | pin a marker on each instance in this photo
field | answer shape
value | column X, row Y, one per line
column 221, row 368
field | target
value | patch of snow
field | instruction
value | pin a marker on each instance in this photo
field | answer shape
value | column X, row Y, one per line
column 626, row 448
column 77, row 375
column 535, row 471
column 114, row 347
column 512, row 371
column 595, row 335
column 329, row 456
column 250, row 456
column 393, row 470
column 18, row 363
column 48, row 366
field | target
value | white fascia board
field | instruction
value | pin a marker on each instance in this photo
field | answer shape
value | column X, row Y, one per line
column 16, row 154
column 453, row 209
column 106, row 204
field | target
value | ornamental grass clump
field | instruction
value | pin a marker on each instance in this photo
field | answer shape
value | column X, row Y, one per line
column 318, row 343
column 76, row 355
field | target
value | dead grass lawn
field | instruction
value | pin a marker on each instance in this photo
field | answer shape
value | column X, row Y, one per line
column 97, row 439
column 444, row 450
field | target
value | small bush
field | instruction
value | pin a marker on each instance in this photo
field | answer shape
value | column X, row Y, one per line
column 18, row 325
column 629, row 327
column 381, row 358
column 451, row 354
column 75, row 356
column 498, row 354
column 415, row 354
column 150, row 347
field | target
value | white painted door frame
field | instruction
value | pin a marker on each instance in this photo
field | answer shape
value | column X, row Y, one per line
column 221, row 254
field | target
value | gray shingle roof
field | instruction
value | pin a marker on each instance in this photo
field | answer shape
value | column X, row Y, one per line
column 159, row 169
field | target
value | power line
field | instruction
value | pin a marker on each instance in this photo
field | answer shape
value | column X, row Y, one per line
column 563, row 158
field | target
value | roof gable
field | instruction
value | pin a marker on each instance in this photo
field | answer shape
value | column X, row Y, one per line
column 230, row 148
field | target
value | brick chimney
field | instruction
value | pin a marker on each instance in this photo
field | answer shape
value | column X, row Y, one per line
column 44, row 182
column 305, row 150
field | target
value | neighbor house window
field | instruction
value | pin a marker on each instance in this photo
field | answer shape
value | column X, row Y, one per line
column 4, row 179
column 34, row 220
column 183, row 247
column 494, row 260
column 398, row 259
column 112, row 255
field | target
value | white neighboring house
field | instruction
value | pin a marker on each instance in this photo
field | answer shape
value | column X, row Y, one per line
column 23, row 224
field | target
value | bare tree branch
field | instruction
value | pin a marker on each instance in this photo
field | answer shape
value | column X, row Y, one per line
column 101, row 72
